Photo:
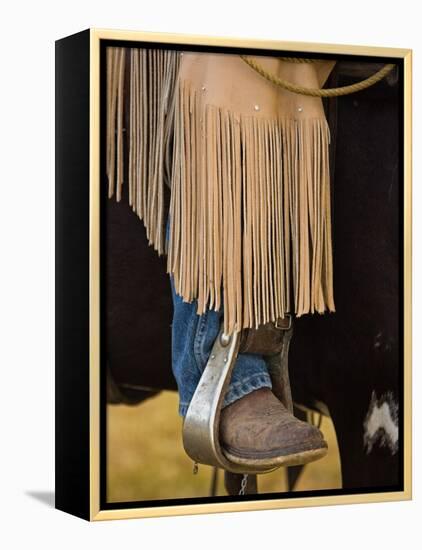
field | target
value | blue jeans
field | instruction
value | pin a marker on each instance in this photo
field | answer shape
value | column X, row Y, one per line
column 193, row 336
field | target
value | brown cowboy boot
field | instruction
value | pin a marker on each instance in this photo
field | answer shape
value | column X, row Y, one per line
column 258, row 429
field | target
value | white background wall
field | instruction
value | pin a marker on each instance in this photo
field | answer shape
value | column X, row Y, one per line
column 28, row 31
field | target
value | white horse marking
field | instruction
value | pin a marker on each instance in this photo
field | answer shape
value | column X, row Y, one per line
column 381, row 423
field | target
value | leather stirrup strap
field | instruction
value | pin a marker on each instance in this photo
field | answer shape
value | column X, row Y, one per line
column 267, row 339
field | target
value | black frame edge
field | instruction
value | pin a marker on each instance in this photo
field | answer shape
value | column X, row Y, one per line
column 72, row 445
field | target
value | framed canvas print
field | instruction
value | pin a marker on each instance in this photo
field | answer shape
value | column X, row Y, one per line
column 233, row 274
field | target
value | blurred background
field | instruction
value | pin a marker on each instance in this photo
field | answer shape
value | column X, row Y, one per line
column 146, row 459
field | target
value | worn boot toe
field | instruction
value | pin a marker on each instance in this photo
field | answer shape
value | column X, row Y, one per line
column 258, row 429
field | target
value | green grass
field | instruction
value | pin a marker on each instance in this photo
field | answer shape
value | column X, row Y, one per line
column 146, row 459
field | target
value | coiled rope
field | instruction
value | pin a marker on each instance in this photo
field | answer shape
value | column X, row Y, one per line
column 317, row 92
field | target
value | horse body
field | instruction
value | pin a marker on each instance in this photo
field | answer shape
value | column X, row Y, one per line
column 349, row 361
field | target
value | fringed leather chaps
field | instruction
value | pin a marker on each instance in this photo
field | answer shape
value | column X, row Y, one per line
column 250, row 220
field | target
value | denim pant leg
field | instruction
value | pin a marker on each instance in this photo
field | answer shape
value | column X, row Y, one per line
column 193, row 336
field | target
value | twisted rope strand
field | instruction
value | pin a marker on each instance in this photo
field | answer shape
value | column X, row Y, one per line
column 318, row 92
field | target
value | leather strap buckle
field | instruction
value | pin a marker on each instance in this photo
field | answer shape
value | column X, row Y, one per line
column 280, row 323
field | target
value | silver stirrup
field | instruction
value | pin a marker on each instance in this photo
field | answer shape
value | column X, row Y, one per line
column 202, row 420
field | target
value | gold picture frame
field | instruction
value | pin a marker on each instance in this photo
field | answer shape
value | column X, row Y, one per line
column 78, row 470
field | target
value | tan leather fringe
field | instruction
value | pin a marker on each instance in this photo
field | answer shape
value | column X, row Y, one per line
column 152, row 80
column 250, row 205
column 250, row 220
column 115, row 108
